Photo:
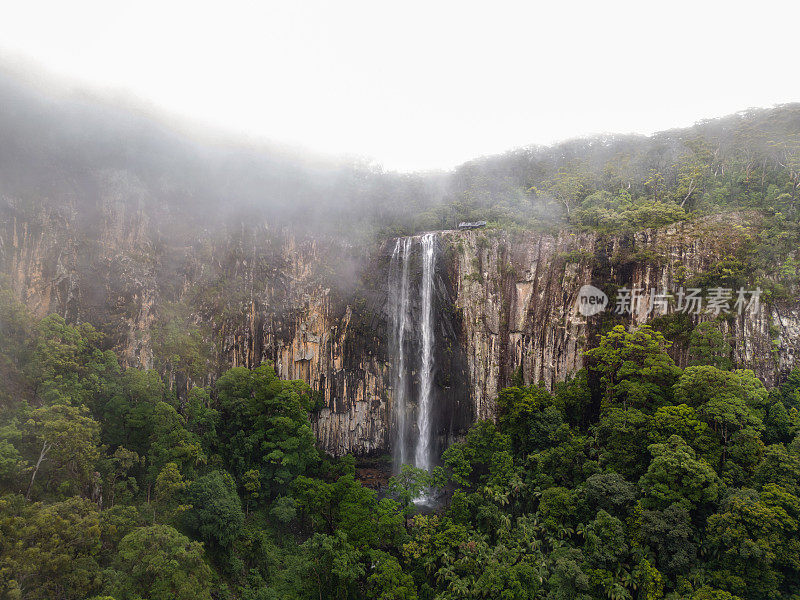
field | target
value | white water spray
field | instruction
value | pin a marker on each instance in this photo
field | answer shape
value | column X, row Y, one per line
column 399, row 309
column 404, row 321
column 422, row 456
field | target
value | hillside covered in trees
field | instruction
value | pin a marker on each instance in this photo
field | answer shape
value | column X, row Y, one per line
column 60, row 147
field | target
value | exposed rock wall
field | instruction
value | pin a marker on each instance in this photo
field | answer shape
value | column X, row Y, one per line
column 517, row 293
column 316, row 306
column 257, row 294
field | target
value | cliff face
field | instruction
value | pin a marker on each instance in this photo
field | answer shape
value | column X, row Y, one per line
column 317, row 306
column 518, row 294
column 252, row 293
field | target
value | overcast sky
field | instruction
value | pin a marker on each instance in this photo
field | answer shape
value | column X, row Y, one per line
column 419, row 85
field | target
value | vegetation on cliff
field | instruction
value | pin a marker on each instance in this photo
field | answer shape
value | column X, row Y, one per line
column 636, row 479
column 62, row 154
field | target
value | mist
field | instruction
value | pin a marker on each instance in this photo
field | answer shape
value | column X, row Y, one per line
column 76, row 151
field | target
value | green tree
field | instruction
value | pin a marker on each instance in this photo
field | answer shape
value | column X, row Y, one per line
column 203, row 420
column 388, row 581
column 345, row 505
column 469, row 463
column 708, row 593
column 171, row 442
column 66, row 443
column 610, row 492
column 754, row 535
column 780, row 467
column 675, row 475
column 569, row 186
column 529, row 417
column 669, row 536
column 727, row 401
column 683, row 421
column 129, row 413
column 120, row 484
column 332, row 565
column 789, row 390
column 251, row 483
column 708, row 346
column 168, row 492
column 216, row 511
column 17, row 336
column 11, row 461
column 264, row 425
column 180, row 345
column 67, row 365
column 605, row 542
column 49, row 551
column 408, row 485
column 780, row 424
column 117, row 522
column 159, row 563
column 623, row 435
column 634, row 368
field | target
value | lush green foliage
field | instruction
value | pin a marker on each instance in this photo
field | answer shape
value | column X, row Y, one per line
column 634, row 480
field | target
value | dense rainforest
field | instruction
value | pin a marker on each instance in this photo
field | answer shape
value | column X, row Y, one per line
column 635, row 478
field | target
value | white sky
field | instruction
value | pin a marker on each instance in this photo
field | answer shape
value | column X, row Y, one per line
column 418, row 85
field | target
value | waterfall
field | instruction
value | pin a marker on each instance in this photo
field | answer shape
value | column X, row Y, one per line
column 399, row 309
column 411, row 353
column 422, row 454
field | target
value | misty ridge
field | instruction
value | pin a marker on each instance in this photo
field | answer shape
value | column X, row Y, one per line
column 66, row 148
column 73, row 151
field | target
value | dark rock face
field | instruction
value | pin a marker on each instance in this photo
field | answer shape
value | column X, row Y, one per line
column 316, row 306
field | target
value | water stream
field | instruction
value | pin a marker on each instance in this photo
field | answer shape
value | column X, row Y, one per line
column 422, row 456
column 399, row 308
column 411, row 308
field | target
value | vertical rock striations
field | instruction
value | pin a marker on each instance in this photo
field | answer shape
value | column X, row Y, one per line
column 350, row 319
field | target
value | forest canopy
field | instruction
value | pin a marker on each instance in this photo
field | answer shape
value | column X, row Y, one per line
column 634, row 479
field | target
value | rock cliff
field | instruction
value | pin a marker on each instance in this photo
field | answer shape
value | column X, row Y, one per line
column 316, row 305
column 517, row 295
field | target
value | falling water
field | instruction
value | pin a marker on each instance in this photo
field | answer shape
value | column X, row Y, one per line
column 399, row 308
column 403, row 322
column 422, row 454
